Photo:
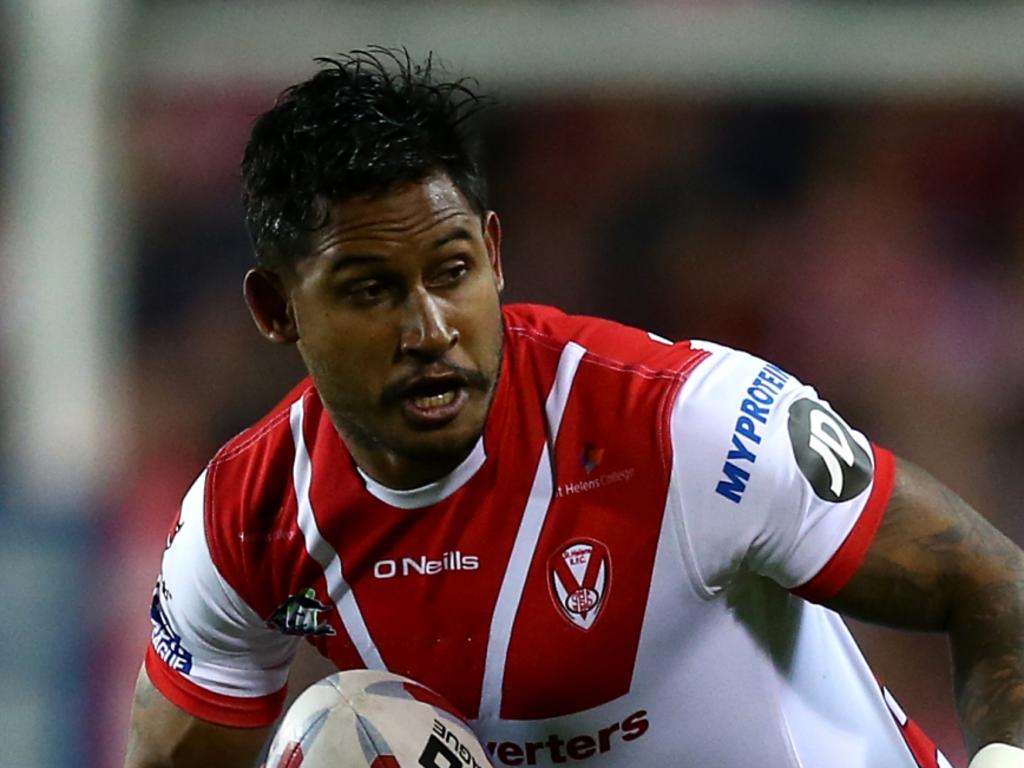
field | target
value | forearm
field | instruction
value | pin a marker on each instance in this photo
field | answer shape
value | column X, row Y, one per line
column 935, row 564
column 163, row 736
column 987, row 638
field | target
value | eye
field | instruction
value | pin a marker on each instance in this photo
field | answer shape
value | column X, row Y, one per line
column 451, row 274
column 367, row 292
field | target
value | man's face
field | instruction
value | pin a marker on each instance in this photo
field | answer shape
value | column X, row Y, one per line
column 398, row 321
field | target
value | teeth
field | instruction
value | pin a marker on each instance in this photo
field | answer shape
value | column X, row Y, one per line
column 435, row 401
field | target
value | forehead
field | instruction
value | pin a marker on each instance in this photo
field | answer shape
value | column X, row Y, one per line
column 405, row 211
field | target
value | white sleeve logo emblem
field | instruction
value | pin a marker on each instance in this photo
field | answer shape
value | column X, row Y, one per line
column 828, row 441
column 834, row 461
column 579, row 574
column 301, row 615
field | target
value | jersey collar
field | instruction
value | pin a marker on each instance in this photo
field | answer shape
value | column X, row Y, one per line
column 432, row 493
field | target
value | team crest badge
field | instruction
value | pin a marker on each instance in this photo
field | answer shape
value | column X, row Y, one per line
column 579, row 574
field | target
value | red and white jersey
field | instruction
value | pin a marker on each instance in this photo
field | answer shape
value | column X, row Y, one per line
column 621, row 573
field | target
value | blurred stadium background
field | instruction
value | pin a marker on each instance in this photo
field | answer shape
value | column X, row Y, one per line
column 836, row 186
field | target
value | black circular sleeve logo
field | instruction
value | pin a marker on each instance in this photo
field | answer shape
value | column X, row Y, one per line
column 835, row 464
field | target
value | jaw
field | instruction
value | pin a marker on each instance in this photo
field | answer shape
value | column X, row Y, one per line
column 400, row 453
column 403, row 457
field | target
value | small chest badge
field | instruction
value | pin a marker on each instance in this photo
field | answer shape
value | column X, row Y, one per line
column 301, row 615
column 579, row 575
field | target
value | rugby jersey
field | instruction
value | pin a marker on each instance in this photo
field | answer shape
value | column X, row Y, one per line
column 626, row 570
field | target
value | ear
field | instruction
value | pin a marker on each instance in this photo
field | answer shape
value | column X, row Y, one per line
column 270, row 306
column 492, row 240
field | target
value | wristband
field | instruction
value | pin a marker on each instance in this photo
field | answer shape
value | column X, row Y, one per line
column 998, row 756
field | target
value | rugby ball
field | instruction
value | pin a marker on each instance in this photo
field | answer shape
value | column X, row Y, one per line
column 371, row 719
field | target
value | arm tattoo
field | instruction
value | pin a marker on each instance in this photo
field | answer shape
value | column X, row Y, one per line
column 143, row 693
column 936, row 564
column 988, row 655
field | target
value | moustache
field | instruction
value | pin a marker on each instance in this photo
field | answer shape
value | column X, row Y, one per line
column 449, row 373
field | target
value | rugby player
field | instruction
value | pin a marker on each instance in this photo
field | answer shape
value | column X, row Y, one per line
column 604, row 547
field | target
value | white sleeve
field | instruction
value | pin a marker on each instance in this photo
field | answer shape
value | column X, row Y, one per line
column 212, row 647
column 766, row 476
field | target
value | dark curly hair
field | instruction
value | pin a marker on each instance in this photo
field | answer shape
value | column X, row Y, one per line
column 366, row 122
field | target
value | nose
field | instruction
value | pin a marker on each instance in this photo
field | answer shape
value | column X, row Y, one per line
column 425, row 332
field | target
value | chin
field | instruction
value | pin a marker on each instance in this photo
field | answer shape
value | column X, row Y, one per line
column 439, row 448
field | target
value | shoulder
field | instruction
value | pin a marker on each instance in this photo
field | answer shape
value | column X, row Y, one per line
column 730, row 405
column 257, row 460
column 264, row 436
column 604, row 342
column 613, row 379
column 733, row 380
column 248, row 483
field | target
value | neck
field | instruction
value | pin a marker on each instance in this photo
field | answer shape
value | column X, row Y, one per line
column 402, row 473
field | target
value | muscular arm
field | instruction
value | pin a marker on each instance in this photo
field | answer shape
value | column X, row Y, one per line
column 935, row 564
column 164, row 736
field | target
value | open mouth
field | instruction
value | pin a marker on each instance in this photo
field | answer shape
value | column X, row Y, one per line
column 433, row 401
column 428, row 402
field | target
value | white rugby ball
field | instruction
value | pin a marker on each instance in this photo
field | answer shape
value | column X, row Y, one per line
column 370, row 719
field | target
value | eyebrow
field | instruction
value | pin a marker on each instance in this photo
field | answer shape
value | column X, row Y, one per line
column 349, row 261
column 459, row 233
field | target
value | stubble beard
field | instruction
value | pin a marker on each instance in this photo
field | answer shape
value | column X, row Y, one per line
column 441, row 454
